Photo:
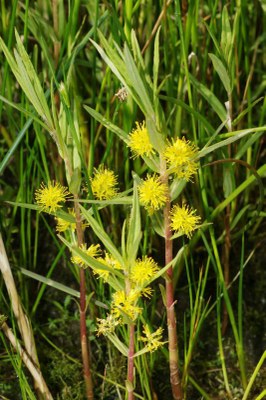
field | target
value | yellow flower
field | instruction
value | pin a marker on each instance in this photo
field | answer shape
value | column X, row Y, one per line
column 183, row 220
column 111, row 262
column 125, row 304
column 139, row 141
column 147, row 292
column 63, row 225
column 143, row 270
column 152, row 340
column 48, row 197
column 93, row 251
column 153, row 193
column 108, row 325
column 103, row 183
column 180, row 158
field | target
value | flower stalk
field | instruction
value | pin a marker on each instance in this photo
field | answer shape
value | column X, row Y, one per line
column 170, row 309
column 130, row 365
column 83, row 328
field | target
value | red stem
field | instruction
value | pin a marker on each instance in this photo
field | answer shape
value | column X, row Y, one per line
column 170, row 310
column 83, row 328
column 130, row 365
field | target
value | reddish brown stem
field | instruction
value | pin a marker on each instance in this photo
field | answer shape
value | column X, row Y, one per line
column 170, row 310
column 83, row 328
column 130, row 365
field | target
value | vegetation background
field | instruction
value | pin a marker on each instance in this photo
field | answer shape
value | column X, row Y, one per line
column 211, row 86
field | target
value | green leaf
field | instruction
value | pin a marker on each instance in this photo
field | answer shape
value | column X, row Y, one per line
column 228, row 180
column 226, row 36
column 239, row 215
column 234, row 136
column 212, row 35
column 75, row 180
column 134, row 228
column 116, row 200
column 244, row 112
column 208, row 127
column 177, row 187
column 222, row 72
column 138, row 86
column 156, row 61
column 102, row 235
column 118, row 344
column 108, row 124
column 163, row 293
column 156, row 137
column 96, row 265
column 35, row 85
column 171, row 263
column 210, row 97
column 50, row 282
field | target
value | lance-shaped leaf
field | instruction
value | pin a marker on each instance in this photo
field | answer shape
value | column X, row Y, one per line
column 222, row 72
column 233, row 137
column 118, row 344
column 108, row 124
column 210, row 97
column 102, row 235
column 97, row 265
column 26, row 76
column 226, row 36
column 134, row 228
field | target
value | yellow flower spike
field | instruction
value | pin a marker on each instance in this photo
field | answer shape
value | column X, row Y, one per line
column 139, row 141
column 143, row 270
column 63, row 225
column 123, row 304
column 48, row 197
column 93, row 251
column 153, row 193
column 103, row 183
column 152, row 339
column 111, row 262
column 108, row 325
column 184, row 220
column 180, row 158
column 147, row 292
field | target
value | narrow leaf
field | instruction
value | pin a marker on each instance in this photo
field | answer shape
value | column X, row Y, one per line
column 102, row 235
column 108, row 124
column 222, row 72
column 210, row 97
column 134, row 228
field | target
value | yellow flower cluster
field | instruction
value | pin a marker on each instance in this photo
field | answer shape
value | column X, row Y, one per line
column 180, row 154
column 139, row 141
column 63, row 225
column 153, row 193
column 49, row 197
column 109, row 261
column 180, row 157
column 125, row 305
column 93, row 251
column 152, row 339
column 143, row 270
column 184, row 220
column 107, row 325
column 103, row 183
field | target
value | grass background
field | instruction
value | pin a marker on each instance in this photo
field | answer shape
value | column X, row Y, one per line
column 56, row 36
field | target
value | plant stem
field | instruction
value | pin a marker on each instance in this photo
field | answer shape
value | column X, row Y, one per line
column 170, row 310
column 83, row 328
column 130, row 365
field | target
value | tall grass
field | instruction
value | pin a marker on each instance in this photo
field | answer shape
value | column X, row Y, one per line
column 192, row 69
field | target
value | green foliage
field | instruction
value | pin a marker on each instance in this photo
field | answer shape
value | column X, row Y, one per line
column 188, row 69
